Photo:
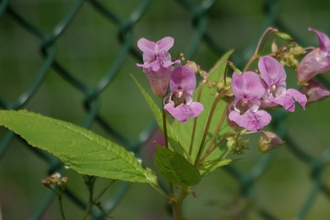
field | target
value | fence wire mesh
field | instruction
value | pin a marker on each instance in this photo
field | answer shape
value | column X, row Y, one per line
column 70, row 60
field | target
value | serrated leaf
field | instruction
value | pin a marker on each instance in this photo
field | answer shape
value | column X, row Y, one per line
column 176, row 168
column 78, row 148
column 173, row 139
column 185, row 130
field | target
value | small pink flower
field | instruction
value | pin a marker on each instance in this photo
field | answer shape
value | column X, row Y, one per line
column 248, row 89
column 156, row 55
column 179, row 103
column 315, row 62
column 315, row 91
column 274, row 76
column 157, row 63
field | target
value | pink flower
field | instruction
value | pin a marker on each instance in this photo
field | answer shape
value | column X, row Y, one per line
column 315, row 91
column 315, row 62
column 157, row 63
column 248, row 89
column 274, row 76
column 179, row 103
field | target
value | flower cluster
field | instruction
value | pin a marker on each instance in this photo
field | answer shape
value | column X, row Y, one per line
column 254, row 91
column 160, row 73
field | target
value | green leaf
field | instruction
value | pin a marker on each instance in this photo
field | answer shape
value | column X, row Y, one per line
column 185, row 130
column 78, row 148
column 173, row 139
column 176, row 168
column 209, row 166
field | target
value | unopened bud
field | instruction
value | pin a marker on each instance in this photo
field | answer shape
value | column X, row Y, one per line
column 236, row 145
column 274, row 47
column 283, row 36
column 192, row 65
column 269, row 141
column 294, row 63
column 297, row 50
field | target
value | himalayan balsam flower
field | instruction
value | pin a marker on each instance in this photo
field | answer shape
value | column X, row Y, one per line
column 179, row 103
column 315, row 62
column 248, row 90
column 157, row 63
column 274, row 76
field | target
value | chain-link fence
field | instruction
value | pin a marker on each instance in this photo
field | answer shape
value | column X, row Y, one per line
column 70, row 59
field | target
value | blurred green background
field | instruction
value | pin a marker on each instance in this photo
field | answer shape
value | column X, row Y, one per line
column 89, row 47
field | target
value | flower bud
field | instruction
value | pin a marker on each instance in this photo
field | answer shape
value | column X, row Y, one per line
column 283, row 36
column 297, row 51
column 269, row 141
column 236, row 145
column 315, row 91
column 192, row 65
column 274, row 47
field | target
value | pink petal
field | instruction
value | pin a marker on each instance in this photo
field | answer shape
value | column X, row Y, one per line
column 182, row 112
column 146, row 46
column 315, row 62
column 253, row 121
column 178, row 112
column 165, row 58
column 324, row 40
column 183, row 78
column 272, row 71
column 248, row 85
column 149, row 57
column 195, row 109
column 165, row 44
column 285, row 100
column 298, row 96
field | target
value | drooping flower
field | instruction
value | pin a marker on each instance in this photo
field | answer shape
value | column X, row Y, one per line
column 274, row 76
column 248, row 89
column 179, row 103
column 315, row 91
column 157, row 63
column 315, row 62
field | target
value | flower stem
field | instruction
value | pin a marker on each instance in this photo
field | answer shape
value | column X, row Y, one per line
column 166, row 143
column 177, row 204
column 164, row 126
column 195, row 119
column 209, row 148
column 268, row 31
column 207, row 126
column 253, row 57
column 89, row 181
column 61, row 205
column 260, row 45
